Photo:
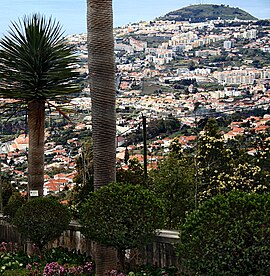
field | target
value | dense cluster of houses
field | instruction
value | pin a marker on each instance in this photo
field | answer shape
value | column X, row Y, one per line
column 245, row 87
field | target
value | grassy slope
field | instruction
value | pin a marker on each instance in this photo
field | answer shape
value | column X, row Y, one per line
column 202, row 12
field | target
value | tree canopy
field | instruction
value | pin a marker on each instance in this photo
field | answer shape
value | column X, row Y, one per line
column 122, row 215
column 42, row 220
column 228, row 235
column 35, row 60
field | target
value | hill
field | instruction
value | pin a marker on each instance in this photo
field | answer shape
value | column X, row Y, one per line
column 200, row 13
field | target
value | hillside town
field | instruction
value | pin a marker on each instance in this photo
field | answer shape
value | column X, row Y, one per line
column 164, row 68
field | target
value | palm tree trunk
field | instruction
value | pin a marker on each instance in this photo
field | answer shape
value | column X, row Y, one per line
column 102, row 89
column 36, row 124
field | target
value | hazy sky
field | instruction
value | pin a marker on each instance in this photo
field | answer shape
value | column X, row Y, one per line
column 72, row 13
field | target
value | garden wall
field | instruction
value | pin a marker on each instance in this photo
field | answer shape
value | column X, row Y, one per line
column 9, row 233
column 160, row 253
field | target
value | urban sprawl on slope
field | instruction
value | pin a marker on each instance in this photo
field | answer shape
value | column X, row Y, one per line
column 163, row 69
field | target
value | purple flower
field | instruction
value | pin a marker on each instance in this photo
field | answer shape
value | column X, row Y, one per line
column 3, row 247
column 53, row 269
column 115, row 273
column 88, row 267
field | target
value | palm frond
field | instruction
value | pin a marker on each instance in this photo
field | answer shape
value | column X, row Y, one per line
column 35, row 61
column 9, row 109
column 61, row 111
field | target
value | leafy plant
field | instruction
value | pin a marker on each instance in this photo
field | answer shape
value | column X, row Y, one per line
column 8, row 261
column 34, row 268
column 42, row 220
column 13, row 262
column 123, row 216
column 223, row 167
column 14, row 203
column 228, row 235
column 63, row 256
column 10, row 258
column 173, row 183
column 34, row 69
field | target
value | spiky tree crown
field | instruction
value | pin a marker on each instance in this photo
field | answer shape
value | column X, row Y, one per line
column 35, row 61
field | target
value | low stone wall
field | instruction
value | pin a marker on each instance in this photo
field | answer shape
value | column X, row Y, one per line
column 160, row 253
column 73, row 239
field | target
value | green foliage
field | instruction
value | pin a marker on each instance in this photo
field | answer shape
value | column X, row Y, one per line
column 223, row 167
column 35, row 61
column 228, row 235
column 211, row 86
column 176, row 149
column 15, row 202
column 220, row 170
column 162, row 126
column 262, row 154
column 7, row 188
column 69, row 262
column 8, row 261
column 211, row 128
column 64, row 256
column 11, row 259
column 156, row 127
column 181, row 84
column 122, row 215
column 173, row 183
column 213, row 158
column 42, row 220
column 19, row 263
column 199, row 13
column 133, row 175
column 17, row 272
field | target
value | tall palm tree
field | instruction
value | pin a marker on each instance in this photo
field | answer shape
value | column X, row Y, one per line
column 34, row 68
column 102, row 89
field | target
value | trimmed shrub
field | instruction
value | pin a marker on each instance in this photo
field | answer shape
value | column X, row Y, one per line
column 122, row 215
column 228, row 235
column 42, row 220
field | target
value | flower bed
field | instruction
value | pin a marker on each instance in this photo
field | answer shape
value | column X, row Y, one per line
column 61, row 262
column 56, row 261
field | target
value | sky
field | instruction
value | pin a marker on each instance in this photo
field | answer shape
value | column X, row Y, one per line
column 72, row 13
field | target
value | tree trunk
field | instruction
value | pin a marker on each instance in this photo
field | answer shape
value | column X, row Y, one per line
column 121, row 258
column 36, row 124
column 102, row 89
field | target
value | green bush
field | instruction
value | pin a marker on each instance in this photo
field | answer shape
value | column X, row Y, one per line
column 8, row 261
column 228, row 235
column 11, row 259
column 173, row 182
column 64, row 256
column 19, row 263
column 122, row 215
column 42, row 220
column 14, row 203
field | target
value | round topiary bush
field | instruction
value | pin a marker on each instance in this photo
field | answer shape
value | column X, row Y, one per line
column 122, row 215
column 228, row 235
column 42, row 220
